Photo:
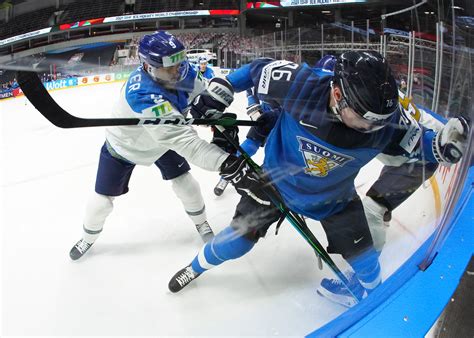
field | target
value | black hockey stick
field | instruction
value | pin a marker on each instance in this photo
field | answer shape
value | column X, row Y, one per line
column 295, row 220
column 34, row 90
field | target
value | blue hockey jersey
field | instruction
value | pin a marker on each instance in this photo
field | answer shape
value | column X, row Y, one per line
column 312, row 157
column 208, row 73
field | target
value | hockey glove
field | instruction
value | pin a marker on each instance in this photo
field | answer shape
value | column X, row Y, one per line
column 219, row 139
column 254, row 111
column 266, row 122
column 450, row 143
column 245, row 180
column 214, row 100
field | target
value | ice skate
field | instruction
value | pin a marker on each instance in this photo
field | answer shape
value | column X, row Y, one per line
column 205, row 231
column 79, row 249
column 182, row 278
column 220, row 187
column 336, row 291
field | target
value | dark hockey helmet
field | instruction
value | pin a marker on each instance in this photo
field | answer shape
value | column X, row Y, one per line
column 162, row 49
column 367, row 85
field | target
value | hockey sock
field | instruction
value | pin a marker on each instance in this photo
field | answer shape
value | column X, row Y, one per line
column 367, row 269
column 98, row 208
column 188, row 191
column 228, row 244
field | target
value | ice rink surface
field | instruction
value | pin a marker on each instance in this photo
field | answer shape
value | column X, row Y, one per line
column 120, row 286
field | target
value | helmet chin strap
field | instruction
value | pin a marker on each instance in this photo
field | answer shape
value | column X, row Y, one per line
column 335, row 109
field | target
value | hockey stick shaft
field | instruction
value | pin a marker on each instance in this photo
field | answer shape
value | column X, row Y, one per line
column 295, row 220
column 34, row 90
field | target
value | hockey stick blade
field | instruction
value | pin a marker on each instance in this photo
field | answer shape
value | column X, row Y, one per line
column 37, row 94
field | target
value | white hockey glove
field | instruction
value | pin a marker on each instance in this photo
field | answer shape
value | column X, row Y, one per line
column 214, row 100
column 375, row 213
column 450, row 143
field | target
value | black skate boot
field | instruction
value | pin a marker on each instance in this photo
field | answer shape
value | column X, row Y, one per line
column 205, row 231
column 387, row 217
column 220, row 186
column 182, row 278
column 79, row 249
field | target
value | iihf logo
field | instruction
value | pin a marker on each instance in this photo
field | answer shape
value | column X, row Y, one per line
column 320, row 160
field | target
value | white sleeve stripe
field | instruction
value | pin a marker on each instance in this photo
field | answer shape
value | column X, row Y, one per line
column 202, row 259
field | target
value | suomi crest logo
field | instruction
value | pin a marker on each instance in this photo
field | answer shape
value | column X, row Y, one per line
column 320, row 160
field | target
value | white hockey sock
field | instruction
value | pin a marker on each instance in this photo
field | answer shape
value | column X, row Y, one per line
column 97, row 210
column 188, row 191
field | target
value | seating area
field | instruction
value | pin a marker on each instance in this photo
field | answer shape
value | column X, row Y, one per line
column 82, row 10
column 73, row 12
column 27, row 22
column 151, row 6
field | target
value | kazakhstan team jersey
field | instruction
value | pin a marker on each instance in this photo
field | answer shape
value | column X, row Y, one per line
column 142, row 97
column 208, row 73
column 311, row 157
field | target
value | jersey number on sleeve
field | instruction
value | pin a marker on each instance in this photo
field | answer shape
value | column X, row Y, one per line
column 277, row 70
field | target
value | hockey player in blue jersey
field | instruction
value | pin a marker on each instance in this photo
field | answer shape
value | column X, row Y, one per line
column 331, row 125
column 256, row 136
column 401, row 176
column 163, row 86
column 204, row 69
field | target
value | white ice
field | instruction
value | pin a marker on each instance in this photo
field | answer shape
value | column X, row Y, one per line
column 120, row 286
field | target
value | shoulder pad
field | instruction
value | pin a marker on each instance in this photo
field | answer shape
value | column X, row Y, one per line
column 406, row 103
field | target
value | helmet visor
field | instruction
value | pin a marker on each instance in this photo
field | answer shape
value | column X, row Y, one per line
column 360, row 123
column 170, row 74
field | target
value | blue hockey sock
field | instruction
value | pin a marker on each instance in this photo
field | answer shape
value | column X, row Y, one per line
column 367, row 268
column 227, row 244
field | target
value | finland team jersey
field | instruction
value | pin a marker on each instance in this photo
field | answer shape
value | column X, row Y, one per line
column 311, row 157
column 142, row 97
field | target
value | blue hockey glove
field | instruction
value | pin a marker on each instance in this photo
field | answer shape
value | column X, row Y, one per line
column 245, row 180
column 214, row 100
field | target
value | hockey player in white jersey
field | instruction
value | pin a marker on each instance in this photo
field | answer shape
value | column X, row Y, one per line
column 162, row 86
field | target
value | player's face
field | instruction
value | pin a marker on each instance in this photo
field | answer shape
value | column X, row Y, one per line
column 350, row 117
column 203, row 66
column 353, row 120
column 170, row 74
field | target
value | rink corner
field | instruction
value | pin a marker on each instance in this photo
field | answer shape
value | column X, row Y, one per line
column 416, row 298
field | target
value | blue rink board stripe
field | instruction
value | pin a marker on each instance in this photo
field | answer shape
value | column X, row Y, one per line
column 417, row 297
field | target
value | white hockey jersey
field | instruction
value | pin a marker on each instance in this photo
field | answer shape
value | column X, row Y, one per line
column 142, row 97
